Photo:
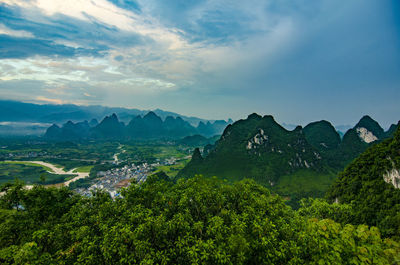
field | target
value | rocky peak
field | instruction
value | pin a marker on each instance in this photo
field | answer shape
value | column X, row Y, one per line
column 258, row 139
column 152, row 116
column 369, row 130
column 366, row 135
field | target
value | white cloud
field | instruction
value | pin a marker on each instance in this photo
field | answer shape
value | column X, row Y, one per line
column 15, row 33
column 104, row 12
column 49, row 100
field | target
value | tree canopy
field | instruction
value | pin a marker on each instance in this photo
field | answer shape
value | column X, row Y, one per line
column 194, row 221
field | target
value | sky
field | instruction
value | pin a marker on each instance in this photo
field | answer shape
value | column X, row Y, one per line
column 298, row 60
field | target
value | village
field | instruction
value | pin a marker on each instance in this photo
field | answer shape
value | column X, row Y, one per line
column 113, row 180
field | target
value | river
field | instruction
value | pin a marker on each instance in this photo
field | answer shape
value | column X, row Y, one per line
column 58, row 171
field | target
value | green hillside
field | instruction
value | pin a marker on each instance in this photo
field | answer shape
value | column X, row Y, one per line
column 257, row 148
column 296, row 164
column 371, row 185
column 322, row 135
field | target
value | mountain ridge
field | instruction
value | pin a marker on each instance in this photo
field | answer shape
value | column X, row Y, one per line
column 149, row 126
column 261, row 149
column 11, row 110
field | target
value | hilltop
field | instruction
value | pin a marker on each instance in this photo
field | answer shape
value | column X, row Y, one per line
column 298, row 163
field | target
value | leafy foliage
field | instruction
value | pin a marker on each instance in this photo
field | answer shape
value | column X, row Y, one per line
column 362, row 184
column 196, row 221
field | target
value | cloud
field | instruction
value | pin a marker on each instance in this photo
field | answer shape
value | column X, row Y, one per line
column 87, row 95
column 255, row 55
column 16, row 47
column 15, row 33
column 49, row 100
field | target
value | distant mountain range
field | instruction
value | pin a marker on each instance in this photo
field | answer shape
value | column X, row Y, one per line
column 19, row 118
column 14, row 111
column 149, row 126
column 261, row 149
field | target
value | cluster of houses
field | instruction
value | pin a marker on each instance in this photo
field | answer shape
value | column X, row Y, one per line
column 112, row 180
column 22, row 155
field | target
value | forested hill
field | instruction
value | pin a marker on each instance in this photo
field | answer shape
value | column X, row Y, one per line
column 196, row 221
column 296, row 164
column 258, row 147
column 371, row 184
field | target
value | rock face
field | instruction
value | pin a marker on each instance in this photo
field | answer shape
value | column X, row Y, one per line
column 259, row 139
column 392, row 177
column 369, row 130
column 366, row 135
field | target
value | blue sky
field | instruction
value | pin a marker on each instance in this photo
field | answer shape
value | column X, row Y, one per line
column 298, row 60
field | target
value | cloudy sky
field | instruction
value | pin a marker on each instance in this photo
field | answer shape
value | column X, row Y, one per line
column 298, row 60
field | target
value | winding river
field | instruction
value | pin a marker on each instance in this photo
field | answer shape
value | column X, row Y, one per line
column 58, row 171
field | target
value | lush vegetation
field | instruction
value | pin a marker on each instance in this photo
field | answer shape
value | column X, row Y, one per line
column 27, row 164
column 257, row 148
column 173, row 170
column 295, row 164
column 196, row 221
column 152, row 151
column 84, row 169
column 29, row 173
column 202, row 220
column 303, row 184
column 362, row 185
column 67, row 154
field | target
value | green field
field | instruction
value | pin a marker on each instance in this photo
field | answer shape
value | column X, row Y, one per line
column 27, row 163
column 173, row 170
column 83, row 157
column 84, row 169
column 29, row 173
column 151, row 152
column 58, row 152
